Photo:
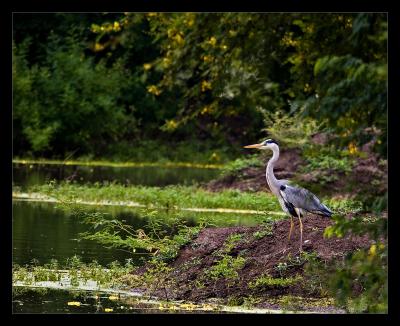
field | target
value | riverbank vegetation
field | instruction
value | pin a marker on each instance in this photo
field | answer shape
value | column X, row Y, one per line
column 189, row 90
column 190, row 262
column 174, row 197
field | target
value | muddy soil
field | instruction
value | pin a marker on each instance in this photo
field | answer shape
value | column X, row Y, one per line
column 263, row 255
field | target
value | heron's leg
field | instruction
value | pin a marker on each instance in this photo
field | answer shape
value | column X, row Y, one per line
column 291, row 226
column 301, row 233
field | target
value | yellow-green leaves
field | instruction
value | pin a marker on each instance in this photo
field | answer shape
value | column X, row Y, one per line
column 74, row 303
column 205, row 85
column 106, row 27
column 153, row 89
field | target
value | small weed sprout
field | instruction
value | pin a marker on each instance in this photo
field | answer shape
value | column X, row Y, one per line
column 267, row 281
column 227, row 266
column 283, row 267
column 265, row 231
column 250, row 301
column 157, row 277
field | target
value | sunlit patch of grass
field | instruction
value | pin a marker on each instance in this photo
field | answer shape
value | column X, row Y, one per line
column 231, row 242
column 251, row 301
column 234, row 301
column 119, row 164
column 195, row 261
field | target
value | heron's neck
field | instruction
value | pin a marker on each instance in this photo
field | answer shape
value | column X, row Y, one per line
column 269, row 173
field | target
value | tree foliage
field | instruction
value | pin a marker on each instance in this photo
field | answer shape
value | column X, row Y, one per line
column 195, row 76
column 360, row 282
column 68, row 102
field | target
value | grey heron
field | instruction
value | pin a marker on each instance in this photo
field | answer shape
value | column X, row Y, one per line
column 295, row 201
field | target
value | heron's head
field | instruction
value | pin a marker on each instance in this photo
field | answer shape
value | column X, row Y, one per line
column 266, row 144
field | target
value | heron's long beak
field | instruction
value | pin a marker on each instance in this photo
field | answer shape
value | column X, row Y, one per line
column 253, row 146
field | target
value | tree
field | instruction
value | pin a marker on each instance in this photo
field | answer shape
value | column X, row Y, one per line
column 68, row 102
column 203, row 76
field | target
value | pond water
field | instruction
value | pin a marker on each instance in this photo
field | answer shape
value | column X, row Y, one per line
column 56, row 301
column 41, row 231
column 26, row 175
column 80, row 302
column 44, row 231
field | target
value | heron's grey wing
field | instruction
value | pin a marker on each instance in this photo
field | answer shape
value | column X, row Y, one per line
column 303, row 198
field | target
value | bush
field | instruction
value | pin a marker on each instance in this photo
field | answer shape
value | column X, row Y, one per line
column 327, row 158
column 360, row 281
column 68, row 103
column 352, row 97
column 239, row 164
column 287, row 128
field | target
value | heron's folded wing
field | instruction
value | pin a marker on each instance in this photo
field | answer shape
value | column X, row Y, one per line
column 301, row 198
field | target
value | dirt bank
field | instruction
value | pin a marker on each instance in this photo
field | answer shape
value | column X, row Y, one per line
column 263, row 250
column 260, row 264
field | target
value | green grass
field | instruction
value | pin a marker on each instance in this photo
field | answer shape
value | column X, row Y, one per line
column 107, row 163
column 227, row 267
column 235, row 167
column 267, row 281
column 261, row 234
column 176, row 196
column 291, row 302
column 76, row 271
column 167, row 197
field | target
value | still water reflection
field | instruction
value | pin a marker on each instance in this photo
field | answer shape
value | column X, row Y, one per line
column 42, row 231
